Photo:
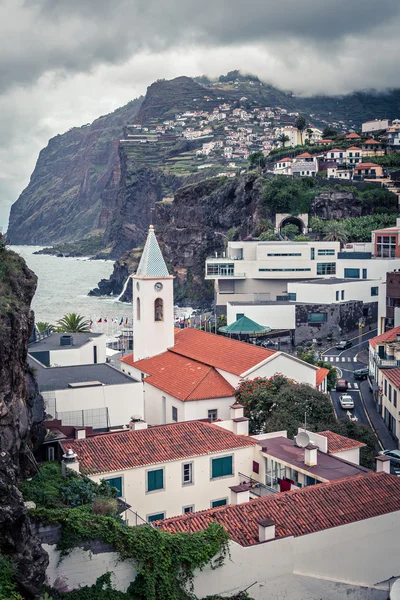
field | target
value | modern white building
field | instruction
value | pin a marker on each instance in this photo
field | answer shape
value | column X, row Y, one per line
column 375, row 125
column 67, row 349
column 333, row 290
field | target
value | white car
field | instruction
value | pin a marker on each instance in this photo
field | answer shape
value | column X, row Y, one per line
column 346, row 401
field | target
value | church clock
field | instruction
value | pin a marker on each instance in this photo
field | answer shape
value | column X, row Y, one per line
column 158, row 286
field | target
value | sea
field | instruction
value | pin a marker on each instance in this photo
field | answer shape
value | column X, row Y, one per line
column 63, row 286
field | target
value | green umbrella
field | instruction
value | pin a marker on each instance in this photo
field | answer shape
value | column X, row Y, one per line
column 245, row 326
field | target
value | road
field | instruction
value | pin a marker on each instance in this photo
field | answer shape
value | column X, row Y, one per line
column 346, row 362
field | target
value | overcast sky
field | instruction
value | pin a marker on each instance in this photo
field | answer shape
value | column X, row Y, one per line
column 66, row 62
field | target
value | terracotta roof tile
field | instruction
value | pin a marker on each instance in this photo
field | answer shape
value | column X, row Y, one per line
column 320, row 375
column 371, row 142
column 354, row 148
column 300, row 512
column 218, row 351
column 130, row 449
column 281, row 160
column 393, row 375
column 304, row 155
column 336, row 150
column 339, row 443
column 367, row 165
column 184, row 378
column 352, row 136
column 388, row 336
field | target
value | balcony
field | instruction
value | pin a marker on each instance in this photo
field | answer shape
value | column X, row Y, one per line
column 257, row 488
column 387, row 363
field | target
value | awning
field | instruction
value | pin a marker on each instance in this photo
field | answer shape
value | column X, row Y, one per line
column 245, row 326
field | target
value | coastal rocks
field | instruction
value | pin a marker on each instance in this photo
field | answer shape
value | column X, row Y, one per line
column 123, row 267
column 336, row 206
column 21, row 414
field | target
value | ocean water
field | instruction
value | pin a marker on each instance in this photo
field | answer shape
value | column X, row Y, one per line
column 63, row 285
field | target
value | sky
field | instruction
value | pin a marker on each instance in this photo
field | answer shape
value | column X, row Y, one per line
column 65, row 62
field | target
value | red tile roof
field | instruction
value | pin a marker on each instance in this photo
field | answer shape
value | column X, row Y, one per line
column 321, row 374
column 393, row 375
column 388, row 336
column 300, row 512
column 281, row 160
column 218, row 351
column 130, row 449
column 324, row 141
column 184, row 378
column 335, row 150
column 354, row 148
column 367, row 165
column 370, row 142
column 339, row 443
column 304, row 155
column 352, row 136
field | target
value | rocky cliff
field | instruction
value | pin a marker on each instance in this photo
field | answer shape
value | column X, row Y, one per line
column 63, row 201
column 21, row 413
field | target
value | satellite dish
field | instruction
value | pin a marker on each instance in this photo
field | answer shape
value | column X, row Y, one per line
column 302, row 439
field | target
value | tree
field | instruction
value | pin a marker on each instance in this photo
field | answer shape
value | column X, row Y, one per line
column 309, row 135
column 335, row 232
column 43, row 326
column 267, row 236
column 329, row 132
column 301, row 124
column 257, row 159
column 290, row 230
column 73, row 323
column 283, row 138
column 361, row 433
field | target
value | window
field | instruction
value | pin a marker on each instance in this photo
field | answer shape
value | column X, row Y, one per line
column 342, row 294
column 156, row 517
column 364, row 273
column 174, row 414
column 221, row 467
column 188, row 509
column 213, row 414
column 95, row 355
column 374, row 291
column 326, row 252
column 291, row 270
column 285, row 254
column 337, row 296
column 312, row 253
column 385, row 387
column 116, row 482
column 386, row 246
column 216, row 503
column 137, row 309
column 292, row 296
column 390, row 393
column 50, row 453
column 159, row 309
column 155, row 480
column 223, row 270
column 256, row 467
column 352, row 273
column 395, row 398
column 187, row 473
column 326, row 269
column 239, row 316
column 317, row 317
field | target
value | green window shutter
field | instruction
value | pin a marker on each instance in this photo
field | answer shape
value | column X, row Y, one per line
column 221, row 467
column 116, row 482
column 158, row 517
column 218, row 503
column 155, row 480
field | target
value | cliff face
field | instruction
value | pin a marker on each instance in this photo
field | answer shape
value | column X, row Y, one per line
column 63, row 201
column 21, row 413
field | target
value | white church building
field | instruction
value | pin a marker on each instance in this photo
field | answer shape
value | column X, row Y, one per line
column 189, row 374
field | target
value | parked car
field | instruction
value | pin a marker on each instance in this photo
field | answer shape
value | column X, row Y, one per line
column 342, row 385
column 361, row 373
column 344, row 344
column 346, row 401
column 394, row 456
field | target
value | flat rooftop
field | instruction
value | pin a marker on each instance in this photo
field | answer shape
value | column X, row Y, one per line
column 327, row 467
column 53, row 342
column 60, row 378
column 332, row 281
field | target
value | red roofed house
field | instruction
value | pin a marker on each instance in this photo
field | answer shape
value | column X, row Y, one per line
column 353, row 136
column 373, row 148
column 353, row 156
column 367, row 170
column 337, row 155
column 187, row 373
column 283, row 166
column 305, row 165
column 324, row 541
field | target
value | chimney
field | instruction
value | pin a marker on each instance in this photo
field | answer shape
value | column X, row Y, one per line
column 382, row 464
column 237, row 411
column 240, row 493
column 80, row 433
column 310, row 455
column 137, row 423
column 69, row 461
column 266, row 530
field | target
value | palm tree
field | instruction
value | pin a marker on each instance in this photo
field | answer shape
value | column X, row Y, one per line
column 73, row 323
column 43, row 326
column 335, row 232
column 309, row 133
column 283, row 138
column 301, row 124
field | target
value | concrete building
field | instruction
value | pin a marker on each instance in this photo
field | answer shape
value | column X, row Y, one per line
column 368, row 170
column 305, row 165
column 393, row 135
column 64, row 349
column 89, row 395
column 389, row 303
column 376, row 125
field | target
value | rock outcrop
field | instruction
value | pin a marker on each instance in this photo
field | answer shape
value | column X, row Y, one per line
column 337, row 206
column 21, row 414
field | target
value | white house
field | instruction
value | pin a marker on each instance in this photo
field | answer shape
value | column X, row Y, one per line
column 339, row 173
column 354, row 156
column 305, row 165
column 337, row 155
column 94, row 395
column 283, row 166
column 66, row 349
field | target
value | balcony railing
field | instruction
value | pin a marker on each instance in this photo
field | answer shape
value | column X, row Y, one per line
column 386, row 362
column 256, row 487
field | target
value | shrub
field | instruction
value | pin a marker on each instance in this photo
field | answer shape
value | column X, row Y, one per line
column 105, row 506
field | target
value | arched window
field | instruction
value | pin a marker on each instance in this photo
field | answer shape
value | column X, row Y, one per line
column 159, row 309
column 138, row 309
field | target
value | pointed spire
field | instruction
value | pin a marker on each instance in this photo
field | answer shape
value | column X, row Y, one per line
column 152, row 263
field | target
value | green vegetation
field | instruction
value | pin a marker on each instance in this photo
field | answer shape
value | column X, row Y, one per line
column 279, row 403
column 282, row 139
column 8, row 587
column 12, row 271
column 334, row 231
column 389, row 160
column 301, row 124
column 290, row 231
column 87, row 246
column 43, row 326
column 286, row 195
column 73, row 323
column 355, row 229
column 257, row 159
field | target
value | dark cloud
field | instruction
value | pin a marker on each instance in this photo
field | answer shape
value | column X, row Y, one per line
column 63, row 63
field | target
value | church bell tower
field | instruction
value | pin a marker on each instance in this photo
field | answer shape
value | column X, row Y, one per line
column 153, row 303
